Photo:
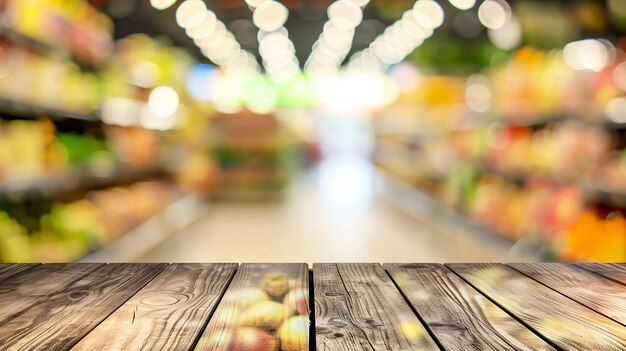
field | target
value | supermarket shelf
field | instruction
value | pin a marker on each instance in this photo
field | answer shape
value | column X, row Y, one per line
column 541, row 122
column 23, row 109
column 46, row 48
column 606, row 196
column 79, row 179
column 415, row 202
column 138, row 242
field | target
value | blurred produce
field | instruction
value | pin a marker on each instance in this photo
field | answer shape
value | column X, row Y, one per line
column 73, row 25
column 266, row 315
column 254, row 152
column 534, row 151
column 73, row 229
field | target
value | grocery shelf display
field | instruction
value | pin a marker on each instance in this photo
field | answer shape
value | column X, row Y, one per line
column 529, row 148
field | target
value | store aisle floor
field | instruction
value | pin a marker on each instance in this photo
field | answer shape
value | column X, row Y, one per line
column 338, row 212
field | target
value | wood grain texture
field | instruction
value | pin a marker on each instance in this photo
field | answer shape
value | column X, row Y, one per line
column 559, row 319
column 8, row 270
column 615, row 271
column 596, row 292
column 35, row 285
column 61, row 321
column 357, row 307
column 459, row 316
column 230, row 327
column 167, row 314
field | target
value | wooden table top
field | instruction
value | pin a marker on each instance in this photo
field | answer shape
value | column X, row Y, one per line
column 266, row 307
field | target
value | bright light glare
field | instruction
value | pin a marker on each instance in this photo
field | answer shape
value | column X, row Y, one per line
column 270, row 16
column 508, row 36
column 162, row 4
column 345, row 14
column 619, row 76
column 478, row 97
column 428, row 13
column 191, row 13
column 463, row 4
column 413, row 28
column 255, row 3
column 206, row 28
column 353, row 90
column 360, row 3
column 616, row 110
column 163, row 101
column 494, row 14
column 589, row 54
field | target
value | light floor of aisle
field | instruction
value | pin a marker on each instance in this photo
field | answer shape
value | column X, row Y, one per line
column 339, row 212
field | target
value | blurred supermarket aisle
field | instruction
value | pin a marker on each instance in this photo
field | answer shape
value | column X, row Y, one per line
column 338, row 212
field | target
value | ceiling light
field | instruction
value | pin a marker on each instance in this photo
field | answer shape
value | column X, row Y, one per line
column 256, row 3
column 191, row 13
column 162, row 4
column 345, row 14
column 428, row 13
column 463, row 4
column 493, row 14
column 270, row 16
column 163, row 101
column 205, row 28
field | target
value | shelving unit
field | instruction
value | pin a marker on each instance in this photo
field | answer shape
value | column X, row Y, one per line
column 134, row 245
column 12, row 108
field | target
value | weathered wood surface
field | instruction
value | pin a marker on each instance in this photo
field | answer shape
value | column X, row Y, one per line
column 259, row 287
column 23, row 291
column 167, row 314
column 458, row 315
column 615, row 271
column 566, row 323
column 596, row 292
column 358, row 307
column 7, row 270
column 61, row 321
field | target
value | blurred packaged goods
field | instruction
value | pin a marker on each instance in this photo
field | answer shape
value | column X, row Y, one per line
column 254, row 153
column 74, row 26
column 530, row 148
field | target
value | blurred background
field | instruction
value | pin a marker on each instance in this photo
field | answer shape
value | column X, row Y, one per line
column 312, row 130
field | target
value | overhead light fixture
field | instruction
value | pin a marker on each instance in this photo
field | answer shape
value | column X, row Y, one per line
column 270, row 16
column 205, row 28
column 162, row 4
column 428, row 13
column 493, row 14
column 345, row 14
column 463, row 4
column 191, row 13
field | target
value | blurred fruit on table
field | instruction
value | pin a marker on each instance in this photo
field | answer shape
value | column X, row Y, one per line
column 267, row 313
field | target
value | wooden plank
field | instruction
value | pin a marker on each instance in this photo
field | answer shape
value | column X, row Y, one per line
column 8, row 270
column 266, row 304
column 37, row 284
column 564, row 322
column 615, row 271
column 62, row 320
column 459, row 316
column 357, row 307
column 600, row 294
column 167, row 314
